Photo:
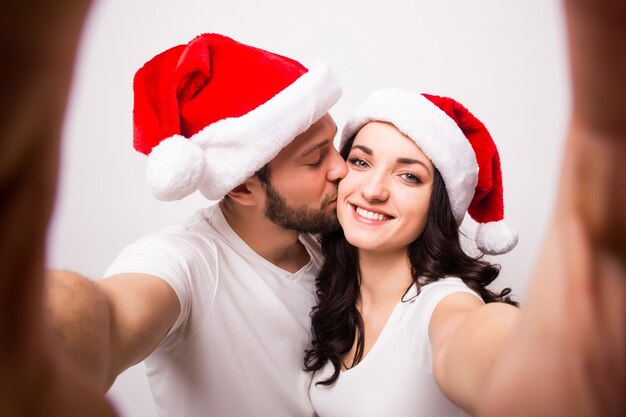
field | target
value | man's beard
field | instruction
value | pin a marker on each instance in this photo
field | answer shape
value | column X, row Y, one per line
column 302, row 219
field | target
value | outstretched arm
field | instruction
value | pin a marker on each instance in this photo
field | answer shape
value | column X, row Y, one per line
column 564, row 352
column 37, row 50
column 100, row 328
column 568, row 355
column 467, row 338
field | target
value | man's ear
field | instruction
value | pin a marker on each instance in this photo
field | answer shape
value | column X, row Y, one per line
column 249, row 193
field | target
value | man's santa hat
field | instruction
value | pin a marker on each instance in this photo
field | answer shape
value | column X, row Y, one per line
column 211, row 113
column 461, row 149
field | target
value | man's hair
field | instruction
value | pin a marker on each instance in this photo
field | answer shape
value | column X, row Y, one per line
column 264, row 174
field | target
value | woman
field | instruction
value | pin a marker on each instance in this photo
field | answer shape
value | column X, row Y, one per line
column 405, row 318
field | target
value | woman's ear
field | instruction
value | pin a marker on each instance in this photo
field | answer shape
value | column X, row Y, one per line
column 250, row 193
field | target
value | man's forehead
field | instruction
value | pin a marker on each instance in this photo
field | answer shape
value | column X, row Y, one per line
column 320, row 134
column 323, row 128
column 328, row 121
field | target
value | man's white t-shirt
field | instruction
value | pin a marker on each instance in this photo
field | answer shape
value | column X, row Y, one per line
column 237, row 347
column 395, row 378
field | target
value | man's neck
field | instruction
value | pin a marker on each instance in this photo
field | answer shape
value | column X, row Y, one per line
column 270, row 241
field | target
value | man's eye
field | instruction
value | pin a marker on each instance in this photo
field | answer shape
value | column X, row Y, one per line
column 315, row 163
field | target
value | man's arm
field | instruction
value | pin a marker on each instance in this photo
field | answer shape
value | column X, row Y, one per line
column 37, row 48
column 103, row 327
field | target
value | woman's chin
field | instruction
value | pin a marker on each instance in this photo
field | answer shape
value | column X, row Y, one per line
column 370, row 244
column 360, row 242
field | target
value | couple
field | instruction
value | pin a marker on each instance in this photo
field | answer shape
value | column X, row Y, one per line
column 402, row 322
column 220, row 306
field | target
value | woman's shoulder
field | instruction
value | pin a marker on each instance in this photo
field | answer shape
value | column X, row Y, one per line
column 445, row 285
column 426, row 299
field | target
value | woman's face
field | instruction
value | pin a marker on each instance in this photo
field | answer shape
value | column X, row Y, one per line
column 383, row 201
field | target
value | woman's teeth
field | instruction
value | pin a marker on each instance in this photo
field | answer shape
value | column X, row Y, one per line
column 370, row 214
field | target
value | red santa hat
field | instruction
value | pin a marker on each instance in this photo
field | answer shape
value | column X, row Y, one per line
column 211, row 113
column 461, row 149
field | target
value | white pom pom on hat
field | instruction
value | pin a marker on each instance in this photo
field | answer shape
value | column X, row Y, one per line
column 459, row 146
column 494, row 238
column 212, row 112
column 175, row 168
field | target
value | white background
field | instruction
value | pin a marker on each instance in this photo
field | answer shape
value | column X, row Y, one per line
column 505, row 60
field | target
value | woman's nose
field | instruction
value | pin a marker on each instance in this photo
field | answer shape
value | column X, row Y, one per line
column 375, row 189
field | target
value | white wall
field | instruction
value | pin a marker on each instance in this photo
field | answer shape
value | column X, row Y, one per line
column 505, row 60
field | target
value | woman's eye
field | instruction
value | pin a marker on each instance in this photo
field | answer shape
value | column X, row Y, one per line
column 412, row 178
column 357, row 162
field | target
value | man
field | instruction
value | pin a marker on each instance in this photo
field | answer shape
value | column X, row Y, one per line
column 218, row 306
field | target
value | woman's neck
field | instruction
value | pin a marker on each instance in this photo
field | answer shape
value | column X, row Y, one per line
column 384, row 277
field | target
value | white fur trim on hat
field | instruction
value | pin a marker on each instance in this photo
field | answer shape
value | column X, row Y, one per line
column 495, row 238
column 233, row 149
column 438, row 136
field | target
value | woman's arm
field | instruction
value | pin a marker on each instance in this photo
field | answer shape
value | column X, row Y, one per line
column 568, row 356
column 467, row 337
column 564, row 352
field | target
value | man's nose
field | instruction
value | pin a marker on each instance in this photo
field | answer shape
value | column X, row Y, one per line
column 338, row 168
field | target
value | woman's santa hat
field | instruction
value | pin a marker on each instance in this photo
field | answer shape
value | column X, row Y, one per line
column 211, row 113
column 461, row 149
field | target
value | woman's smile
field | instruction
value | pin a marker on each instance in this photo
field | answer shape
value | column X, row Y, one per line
column 370, row 215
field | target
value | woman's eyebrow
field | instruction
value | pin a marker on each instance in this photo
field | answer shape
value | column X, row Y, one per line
column 404, row 161
column 364, row 149
column 408, row 161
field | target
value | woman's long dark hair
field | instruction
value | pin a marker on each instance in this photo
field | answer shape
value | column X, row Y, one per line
column 436, row 254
